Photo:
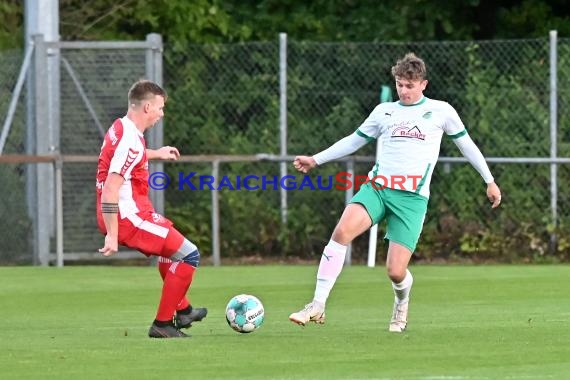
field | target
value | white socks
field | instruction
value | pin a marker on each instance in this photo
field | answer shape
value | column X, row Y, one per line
column 330, row 267
column 332, row 262
column 402, row 290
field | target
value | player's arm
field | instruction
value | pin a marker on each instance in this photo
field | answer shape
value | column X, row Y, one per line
column 455, row 129
column 368, row 131
column 341, row 148
column 110, row 211
column 475, row 157
column 164, row 153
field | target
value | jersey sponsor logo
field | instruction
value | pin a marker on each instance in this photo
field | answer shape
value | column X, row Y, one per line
column 131, row 157
column 409, row 133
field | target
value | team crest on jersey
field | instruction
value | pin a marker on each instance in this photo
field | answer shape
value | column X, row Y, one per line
column 409, row 133
column 157, row 218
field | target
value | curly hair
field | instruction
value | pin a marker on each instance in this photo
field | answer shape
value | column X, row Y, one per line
column 410, row 67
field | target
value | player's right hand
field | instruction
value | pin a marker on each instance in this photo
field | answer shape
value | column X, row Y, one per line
column 111, row 246
column 304, row 163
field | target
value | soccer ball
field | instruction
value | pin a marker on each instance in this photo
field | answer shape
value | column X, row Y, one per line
column 244, row 313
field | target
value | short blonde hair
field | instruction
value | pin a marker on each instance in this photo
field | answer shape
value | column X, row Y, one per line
column 411, row 67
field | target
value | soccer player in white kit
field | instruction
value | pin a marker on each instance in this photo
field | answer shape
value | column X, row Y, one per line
column 410, row 131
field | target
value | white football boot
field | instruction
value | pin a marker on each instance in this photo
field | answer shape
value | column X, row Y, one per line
column 399, row 318
column 313, row 312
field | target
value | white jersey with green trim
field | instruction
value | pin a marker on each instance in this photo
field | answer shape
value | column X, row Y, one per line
column 410, row 138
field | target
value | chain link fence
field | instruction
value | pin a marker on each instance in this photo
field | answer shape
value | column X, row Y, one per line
column 93, row 87
column 225, row 100
column 14, row 222
column 501, row 89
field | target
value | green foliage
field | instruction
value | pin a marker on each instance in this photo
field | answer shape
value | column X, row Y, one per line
column 206, row 21
column 224, row 100
column 248, row 111
column 15, row 223
column 11, row 24
column 522, row 227
column 534, row 18
column 179, row 22
column 326, row 20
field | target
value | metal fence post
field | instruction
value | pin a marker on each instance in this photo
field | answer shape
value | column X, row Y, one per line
column 58, row 165
column 155, row 134
column 347, row 197
column 553, row 139
column 385, row 96
column 283, row 119
column 216, row 215
column 43, row 171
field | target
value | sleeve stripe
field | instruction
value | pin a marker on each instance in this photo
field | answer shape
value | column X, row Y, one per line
column 458, row 135
column 368, row 138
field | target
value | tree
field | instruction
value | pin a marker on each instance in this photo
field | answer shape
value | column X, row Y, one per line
column 203, row 21
column 11, row 24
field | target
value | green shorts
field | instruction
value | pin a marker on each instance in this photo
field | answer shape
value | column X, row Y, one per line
column 404, row 212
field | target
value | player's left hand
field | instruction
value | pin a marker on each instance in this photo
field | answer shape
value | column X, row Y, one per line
column 168, row 153
column 111, row 246
column 494, row 194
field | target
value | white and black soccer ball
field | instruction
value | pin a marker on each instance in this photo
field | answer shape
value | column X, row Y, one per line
column 244, row 313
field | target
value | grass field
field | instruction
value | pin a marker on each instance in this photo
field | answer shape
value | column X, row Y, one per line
column 474, row 322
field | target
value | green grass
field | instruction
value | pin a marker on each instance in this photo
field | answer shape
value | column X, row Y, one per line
column 476, row 322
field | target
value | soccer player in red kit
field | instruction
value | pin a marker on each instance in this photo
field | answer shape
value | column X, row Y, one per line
column 126, row 216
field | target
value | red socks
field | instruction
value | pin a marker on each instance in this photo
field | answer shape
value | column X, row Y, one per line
column 163, row 266
column 177, row 278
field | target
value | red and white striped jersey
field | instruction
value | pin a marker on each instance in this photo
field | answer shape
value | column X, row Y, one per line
column 124, row 152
